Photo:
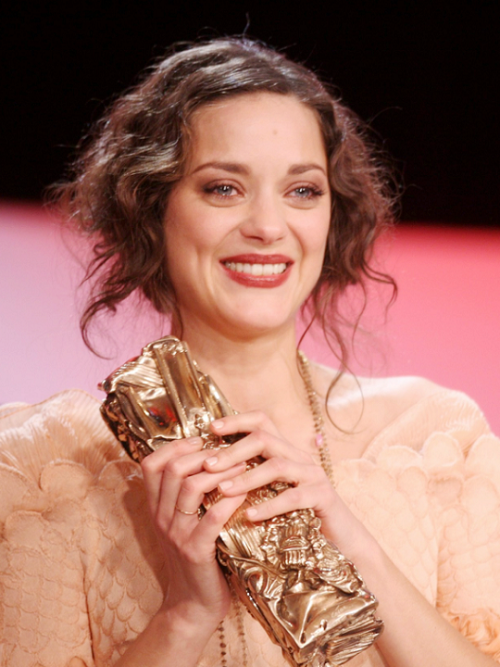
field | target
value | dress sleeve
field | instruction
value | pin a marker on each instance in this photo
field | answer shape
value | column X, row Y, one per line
column 460, row 458
column 428, row 489
column 466, row 489
column 43, row 619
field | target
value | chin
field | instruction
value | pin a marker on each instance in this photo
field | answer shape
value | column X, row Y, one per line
column 242, row 317
column 259, row 325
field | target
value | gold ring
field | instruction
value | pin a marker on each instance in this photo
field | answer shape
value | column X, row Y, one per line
column 184, row 511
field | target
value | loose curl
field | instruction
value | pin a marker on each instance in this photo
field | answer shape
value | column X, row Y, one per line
column 136, row 153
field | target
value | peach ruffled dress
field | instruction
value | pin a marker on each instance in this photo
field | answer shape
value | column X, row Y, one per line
column 81, row 574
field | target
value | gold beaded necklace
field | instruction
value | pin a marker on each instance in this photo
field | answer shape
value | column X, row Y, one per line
column 241, row 633
column 326, row 464
column 319, row 424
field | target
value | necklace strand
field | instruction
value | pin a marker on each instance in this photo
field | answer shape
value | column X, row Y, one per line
column 326, row 464
column 319, row 424
column 241, row 633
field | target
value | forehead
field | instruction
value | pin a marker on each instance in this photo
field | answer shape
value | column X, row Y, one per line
column 255, row 123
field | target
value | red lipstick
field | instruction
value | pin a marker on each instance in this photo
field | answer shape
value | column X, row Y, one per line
column 255, row 258
column 236, row 270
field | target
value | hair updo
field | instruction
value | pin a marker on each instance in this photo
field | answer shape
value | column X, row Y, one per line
column 136, row 153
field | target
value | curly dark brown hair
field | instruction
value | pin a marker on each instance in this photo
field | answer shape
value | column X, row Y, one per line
column 136, row 153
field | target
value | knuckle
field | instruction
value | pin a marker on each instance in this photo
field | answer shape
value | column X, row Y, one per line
column 261, row 416
column 260, row 434
column 213, row 516
column 216, row 515
column 295, row 494
column 174, row 468
column 278, row 464
column 189, row 485
column 149, row 465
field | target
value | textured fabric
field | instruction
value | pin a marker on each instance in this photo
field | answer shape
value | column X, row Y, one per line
column 81, row 574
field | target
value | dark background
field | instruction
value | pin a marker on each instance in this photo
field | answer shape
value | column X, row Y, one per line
column 425, row 77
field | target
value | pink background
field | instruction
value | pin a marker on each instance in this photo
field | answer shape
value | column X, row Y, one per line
column 445, row 324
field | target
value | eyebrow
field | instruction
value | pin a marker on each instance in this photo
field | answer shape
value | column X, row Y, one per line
column 231, row 167
column 237, row 168
column 302, row 168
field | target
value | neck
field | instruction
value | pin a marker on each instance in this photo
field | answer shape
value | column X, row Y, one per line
column 258, row 373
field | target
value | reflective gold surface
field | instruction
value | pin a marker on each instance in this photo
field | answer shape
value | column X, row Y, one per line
column 310, row 599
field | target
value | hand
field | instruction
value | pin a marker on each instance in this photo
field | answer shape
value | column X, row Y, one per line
column 175, row 479
column 310, row 486
column 409, row 618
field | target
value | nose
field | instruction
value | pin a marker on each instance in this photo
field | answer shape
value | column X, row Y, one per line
column 265, row 221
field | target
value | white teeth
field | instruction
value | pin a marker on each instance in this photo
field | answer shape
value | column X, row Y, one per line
column 257, row 269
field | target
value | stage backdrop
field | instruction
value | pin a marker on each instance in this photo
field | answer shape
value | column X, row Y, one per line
column 444, row 325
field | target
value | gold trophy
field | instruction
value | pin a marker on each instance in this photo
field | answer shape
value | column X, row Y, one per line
column 310, row 598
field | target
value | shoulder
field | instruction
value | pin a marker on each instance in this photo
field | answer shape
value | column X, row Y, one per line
column 71, row 503
column 396, row 409
column 349, row 387
column 66, row 427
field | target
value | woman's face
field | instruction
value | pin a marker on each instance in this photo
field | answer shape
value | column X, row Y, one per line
column 246, row 226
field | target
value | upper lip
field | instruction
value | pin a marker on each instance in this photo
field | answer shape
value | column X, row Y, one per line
column 254, row 258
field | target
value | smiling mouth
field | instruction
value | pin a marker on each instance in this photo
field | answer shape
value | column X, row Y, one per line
column 256, row 269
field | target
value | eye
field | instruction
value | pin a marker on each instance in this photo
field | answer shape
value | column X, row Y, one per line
column 221, row 190
column 307, row 192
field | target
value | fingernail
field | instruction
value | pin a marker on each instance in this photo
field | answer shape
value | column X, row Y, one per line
column 223, row 486
column 251, row 512
column 195, row 440
column 211, row 461
column 217, row 424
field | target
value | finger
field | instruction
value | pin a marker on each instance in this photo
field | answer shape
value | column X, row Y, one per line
column 194, row 488
column 258, row 443
column 319, row 498
column 214, row 520
column 194, row 540
column 245, row 422
column 273, row 470
column 154, row 465
column 179, row 473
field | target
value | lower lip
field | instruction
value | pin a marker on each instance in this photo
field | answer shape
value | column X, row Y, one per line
column 258, row 281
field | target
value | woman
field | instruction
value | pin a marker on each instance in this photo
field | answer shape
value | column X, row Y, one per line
column 232, row 190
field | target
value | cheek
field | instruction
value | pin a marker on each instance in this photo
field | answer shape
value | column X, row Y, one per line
column 317, row 238
column 189, row 253
column 181, row 233
column 188, row 226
